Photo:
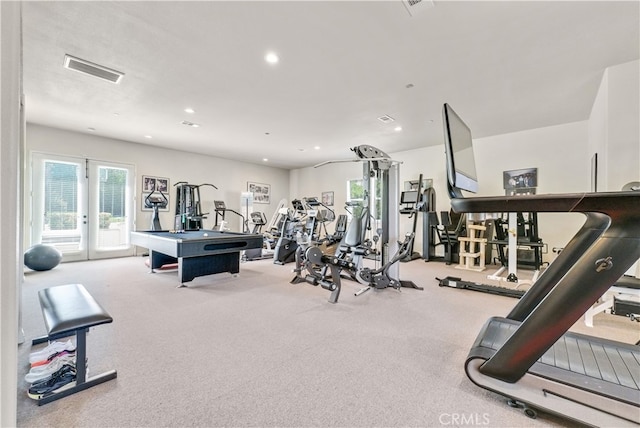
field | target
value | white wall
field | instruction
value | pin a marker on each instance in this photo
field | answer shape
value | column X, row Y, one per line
column 229, row 176
column 561, row 156
column 598, row 130
column 333, row 177
column 559, row 153
column 10, row 213
column 614, row 132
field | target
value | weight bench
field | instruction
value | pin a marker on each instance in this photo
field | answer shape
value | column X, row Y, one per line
column 69, row 309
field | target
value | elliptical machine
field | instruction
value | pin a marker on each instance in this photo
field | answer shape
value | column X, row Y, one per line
column 156, row 201
column 285, row 251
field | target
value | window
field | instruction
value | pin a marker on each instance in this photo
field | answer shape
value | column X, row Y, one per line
column 356, row 193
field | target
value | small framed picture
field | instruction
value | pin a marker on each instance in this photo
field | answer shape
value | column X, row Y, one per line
column 261, row 192
column 327, row 198
column 162, row 184
column 151, row 184
column 148, row 183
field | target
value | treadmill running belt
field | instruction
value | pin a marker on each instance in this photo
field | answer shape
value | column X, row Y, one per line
column 606, row 367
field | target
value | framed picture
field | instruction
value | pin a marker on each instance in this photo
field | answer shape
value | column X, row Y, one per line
column 327, row 198
column 520, row 181
column 150, row 184
column 261, row 192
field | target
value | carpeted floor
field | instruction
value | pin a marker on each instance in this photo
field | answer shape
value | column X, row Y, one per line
column 254, row 350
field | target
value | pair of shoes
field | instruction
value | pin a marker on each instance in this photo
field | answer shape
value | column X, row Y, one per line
column 63, row 379
column 52, row 356
column 39, row 373
column 52, row 348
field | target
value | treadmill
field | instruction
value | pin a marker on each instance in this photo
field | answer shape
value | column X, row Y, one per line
column 529, row 356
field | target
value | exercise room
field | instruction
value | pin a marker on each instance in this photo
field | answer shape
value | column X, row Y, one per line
column 320, row 214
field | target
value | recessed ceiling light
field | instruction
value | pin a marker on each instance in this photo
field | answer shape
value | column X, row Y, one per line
column 148, row 136
column 317, row 148
column 189, row 110
column 271, row 58
column 265, row 160
column 398, row 128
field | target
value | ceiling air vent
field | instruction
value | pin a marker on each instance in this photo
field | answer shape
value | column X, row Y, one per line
column 386, row 119
column 86, row 67
column 416, row 6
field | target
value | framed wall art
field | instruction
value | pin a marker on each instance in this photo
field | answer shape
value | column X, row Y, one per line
column 150, row 184
column 261, row 192
column 327, row 198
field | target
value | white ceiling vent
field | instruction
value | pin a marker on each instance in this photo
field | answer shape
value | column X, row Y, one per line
column 191, row 124
column 86, row 67
column 386, row 119
column 417, row 6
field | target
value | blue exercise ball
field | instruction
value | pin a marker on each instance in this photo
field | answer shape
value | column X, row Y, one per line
column 42, row 257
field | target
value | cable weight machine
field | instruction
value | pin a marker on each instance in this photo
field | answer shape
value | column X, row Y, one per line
column 318, row 269
column 189, row 214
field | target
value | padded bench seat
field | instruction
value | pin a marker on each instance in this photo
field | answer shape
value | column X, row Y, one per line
column 69, row 309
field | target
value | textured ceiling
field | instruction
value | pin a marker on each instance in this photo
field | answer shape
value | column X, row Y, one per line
column 504, row 66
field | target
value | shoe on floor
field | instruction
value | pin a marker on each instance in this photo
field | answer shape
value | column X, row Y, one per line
column 52, row 348
column 66, row 368
column 59, row 381
column 51, row 357
column 42, row 372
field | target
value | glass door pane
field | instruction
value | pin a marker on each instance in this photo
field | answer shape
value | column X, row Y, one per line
column 110, row 210
column 59, row 201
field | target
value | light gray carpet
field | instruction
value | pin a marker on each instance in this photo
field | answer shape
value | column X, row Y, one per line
column 254, row 350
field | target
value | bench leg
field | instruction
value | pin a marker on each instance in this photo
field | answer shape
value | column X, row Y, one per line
column 81, row 355
column 93, row 381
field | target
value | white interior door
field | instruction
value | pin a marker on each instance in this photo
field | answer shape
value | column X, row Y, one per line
column 82, row 207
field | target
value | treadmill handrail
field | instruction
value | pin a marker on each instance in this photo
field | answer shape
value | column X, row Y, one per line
column 601, row 252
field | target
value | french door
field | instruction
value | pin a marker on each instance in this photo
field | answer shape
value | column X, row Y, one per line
column 83, row 207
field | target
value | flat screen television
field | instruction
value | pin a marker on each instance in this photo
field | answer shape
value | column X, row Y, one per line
column 461, row 174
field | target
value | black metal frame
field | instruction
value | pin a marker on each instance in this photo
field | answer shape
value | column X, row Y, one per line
column 70, row 309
